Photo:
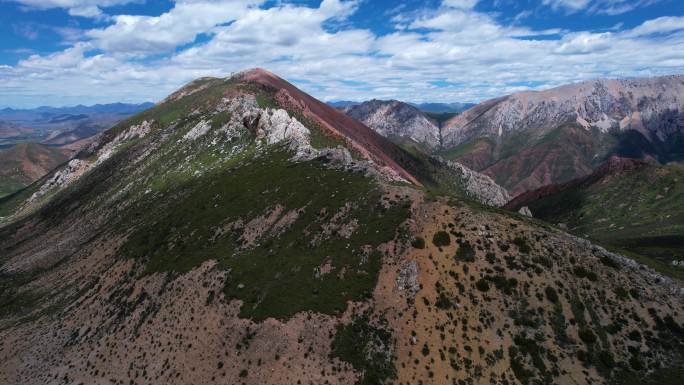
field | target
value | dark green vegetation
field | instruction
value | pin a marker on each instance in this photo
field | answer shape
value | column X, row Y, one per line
column 441, row 238
column 23, row 163
column 276, row 275
column 295, row 236
column 368, row 348
column 639, row 213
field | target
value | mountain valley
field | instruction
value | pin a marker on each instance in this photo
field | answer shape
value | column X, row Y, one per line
column 243, row 232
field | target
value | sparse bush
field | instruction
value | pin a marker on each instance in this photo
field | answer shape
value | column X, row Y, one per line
column 418, row 243
column 521, row 242
column 551, row 294
column 441, row 238
column 584, row 273
column 586, row 335
column 482, row 285
column 465, row 252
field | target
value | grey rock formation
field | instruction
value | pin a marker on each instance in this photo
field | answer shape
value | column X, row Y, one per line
column 478, row 186
column 525, row 211
column 395, row 119
column 652, row 106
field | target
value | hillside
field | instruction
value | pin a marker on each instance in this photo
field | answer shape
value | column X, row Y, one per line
column 22, row 164
column 626, row 204
column 243, row 232
column 13, row 130
column 531, row 139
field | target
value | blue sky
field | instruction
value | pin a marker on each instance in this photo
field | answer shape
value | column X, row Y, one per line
column 65, row 52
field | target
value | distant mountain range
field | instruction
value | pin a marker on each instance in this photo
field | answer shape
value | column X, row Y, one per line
column 61, row 125
column 443, row 107
column 113, row 108
column 426, row 107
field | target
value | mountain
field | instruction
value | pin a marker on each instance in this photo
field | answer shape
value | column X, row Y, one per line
column 443, row 107
column 627, row 204
column 242, row 231
column 115, row 108
column 531, row 139
column 397, row 121
column 62, row 125
column 24, row 163
column 343, row 103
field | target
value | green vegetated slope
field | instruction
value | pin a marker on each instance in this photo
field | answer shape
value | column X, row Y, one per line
column 23, row 163
column 266, row 219
column 640, row 212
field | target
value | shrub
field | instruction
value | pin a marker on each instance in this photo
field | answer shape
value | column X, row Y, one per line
column 443, row 302
column 634, row 335
column 521, row 242
column 606, row 359
column 465, row 252
column 586, row 335
column 609, row 262
column 551, row 294
column 482, row 285
column 441, row 238
column 418, row 243
column 584, row 273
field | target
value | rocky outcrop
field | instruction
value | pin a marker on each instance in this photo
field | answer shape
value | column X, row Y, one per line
column 394, row 119
column 478, row 186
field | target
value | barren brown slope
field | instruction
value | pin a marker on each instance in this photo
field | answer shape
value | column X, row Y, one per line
column 614, row 166
column 363, row 139
column 24, row 163
column 10, row 130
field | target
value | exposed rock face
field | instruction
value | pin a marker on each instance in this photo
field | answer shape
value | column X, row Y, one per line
column 532, row 139
column 361, row 139
column 525, row 211
column 479, row 186
column 652, row 106
column 394, row 119
column 62, row 178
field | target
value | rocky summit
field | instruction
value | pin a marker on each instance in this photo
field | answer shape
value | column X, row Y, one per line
column 243, row 232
